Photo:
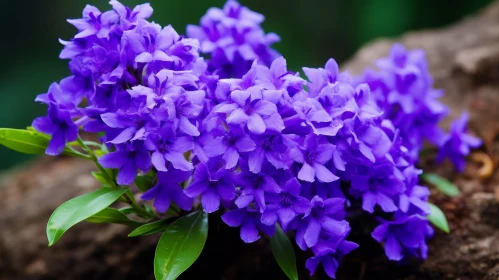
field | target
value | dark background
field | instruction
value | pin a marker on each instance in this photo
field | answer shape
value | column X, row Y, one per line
column 311, row 31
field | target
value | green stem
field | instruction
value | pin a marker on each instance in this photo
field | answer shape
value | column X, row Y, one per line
column 78, row 154
column 128, row 196
column 428, row 152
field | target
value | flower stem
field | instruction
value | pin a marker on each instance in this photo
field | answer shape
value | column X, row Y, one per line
column 128, row 196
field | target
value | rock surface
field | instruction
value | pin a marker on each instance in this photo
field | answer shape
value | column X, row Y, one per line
column 464, row 59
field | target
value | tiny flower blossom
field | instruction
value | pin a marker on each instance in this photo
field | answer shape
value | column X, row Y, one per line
column 254, row 187
column 250, row 109
column 59, row 125
column 213, row 184
column 234, row 39
column 167, row 147
column 457, row 144
column 329, row 253
column 271, row 148
column 404, row 236
column 286, row 205
column 167, row 190
column 230, row 144
column 325, row 215
column 377, row 185
column 249, row 221
column 94, row 22
column 128, row 158
column 313, row 157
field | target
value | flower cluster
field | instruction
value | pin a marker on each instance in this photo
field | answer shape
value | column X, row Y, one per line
column 242, row 133
column 403, row 89
column 234, row 39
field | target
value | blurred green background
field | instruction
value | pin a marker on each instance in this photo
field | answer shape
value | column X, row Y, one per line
column 311, row 31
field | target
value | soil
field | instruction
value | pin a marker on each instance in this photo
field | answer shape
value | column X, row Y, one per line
column 464, row 59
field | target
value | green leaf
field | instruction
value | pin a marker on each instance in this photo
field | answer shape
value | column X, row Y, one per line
column 24, row 141
column 180, row 245
column 441, row 183
column 99, row 153
column 145, row 182
column 127, row 210
column 151, row 228
column 28, row 141
column 78, row 209
column 101, row 178
column 284, row 253
column 437, row 218
column 112, row 216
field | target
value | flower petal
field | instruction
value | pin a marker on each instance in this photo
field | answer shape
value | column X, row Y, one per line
column 307, row 173
column 249, row 232
column 195, row 189
column 256, row 124
column 210, row 200
column 234, row 218
column 312, row 233
column 114, row 160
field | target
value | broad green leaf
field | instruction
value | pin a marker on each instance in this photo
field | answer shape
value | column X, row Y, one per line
column 78, row 209
column 180, row 245
column 284, row 253
column 24, row 141
column 145, row 182
column 27, row 141
column 441, row 183
column 151, row 228
column 112, row 216
column 437, row 218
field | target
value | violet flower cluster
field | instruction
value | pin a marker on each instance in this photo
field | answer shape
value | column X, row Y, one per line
column 240, row 133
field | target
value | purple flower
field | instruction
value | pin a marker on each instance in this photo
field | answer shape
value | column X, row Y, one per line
column 234, row 39
column 369, row 139
column 403, row 90
column 167, row 190
column 230, row 144
column 240, row 130
column 250, row 109
column 128, row 17
column 285, row 205
column 278, row 78
column 458, row 143
column 184, row 107
column 149, row 43
column 67, row 94
column 128, row 158
column 325, row 215
column 313, row 156
column 212, row 183
column 320, row 77
column 406, row 235
column 270, row 148
column 254, row 187
column 59, row 125
column 377, row 185
column 94, row 22
column 167, row 147
column 312, row 112
column 249, row 221
column 329, row 253
column 132, row 126
column 415, row 197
